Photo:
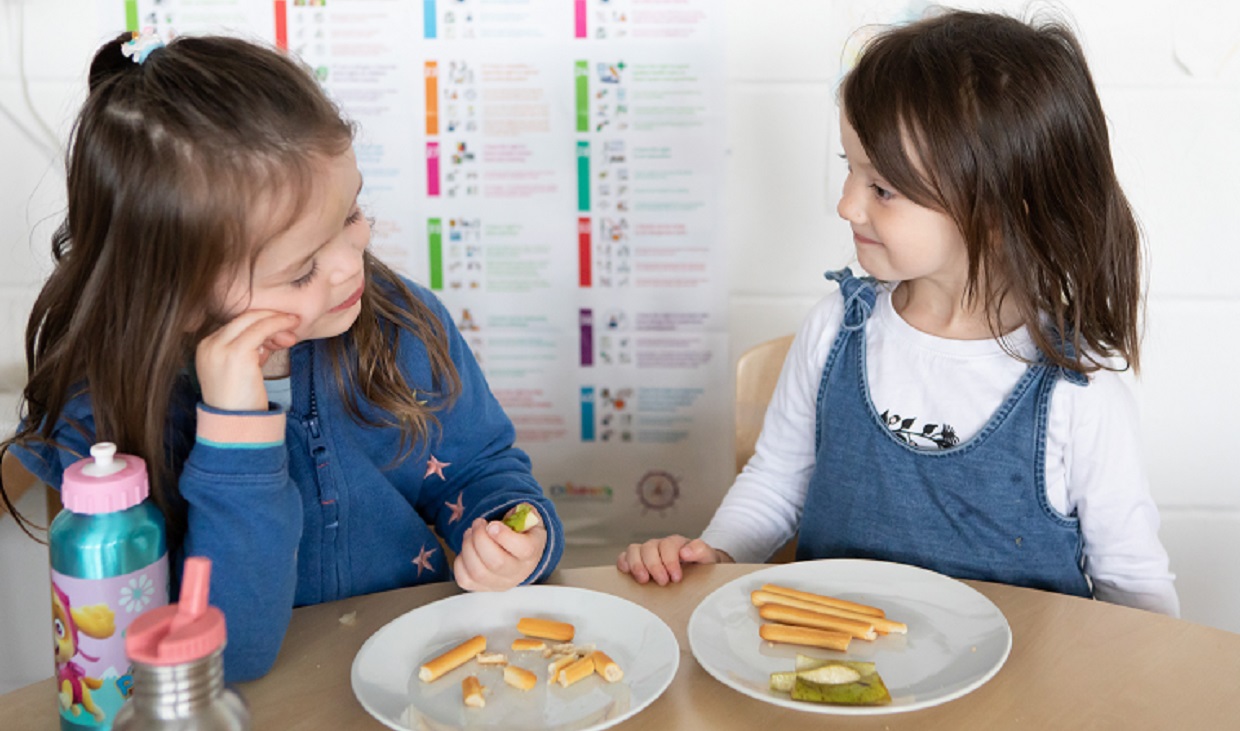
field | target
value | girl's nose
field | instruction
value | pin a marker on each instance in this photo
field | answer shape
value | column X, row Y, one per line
column 348, row 263
column 349, row 255
column 851, row 207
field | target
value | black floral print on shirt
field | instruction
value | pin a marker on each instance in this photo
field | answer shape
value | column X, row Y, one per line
column 906, row 430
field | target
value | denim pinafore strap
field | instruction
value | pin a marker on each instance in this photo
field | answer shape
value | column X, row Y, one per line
column 977, row 510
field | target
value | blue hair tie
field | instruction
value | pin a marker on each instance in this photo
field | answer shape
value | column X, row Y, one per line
column 142, row 45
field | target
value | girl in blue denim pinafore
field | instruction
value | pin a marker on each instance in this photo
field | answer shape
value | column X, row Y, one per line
column 977, row 510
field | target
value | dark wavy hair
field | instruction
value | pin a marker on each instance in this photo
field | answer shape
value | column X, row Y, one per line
column 997, row 123
column 166, row 160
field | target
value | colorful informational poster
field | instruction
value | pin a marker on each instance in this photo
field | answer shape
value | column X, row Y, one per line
column 552, row 170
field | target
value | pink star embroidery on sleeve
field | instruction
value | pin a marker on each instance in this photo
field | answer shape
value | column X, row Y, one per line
column 457, row 508
column 435, row 467
column 423, row 561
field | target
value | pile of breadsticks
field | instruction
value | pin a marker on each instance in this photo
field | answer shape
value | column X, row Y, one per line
column 815, row 620
column 569, row 663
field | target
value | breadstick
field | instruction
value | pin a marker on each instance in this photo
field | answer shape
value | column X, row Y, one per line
column 881, row 624
column 519, row 677
column 575, row 671
column 804, row 618
column 787, row 634
column 471, row 691
column 526, row 644
column 494, row 658
column 605, row 666
column 545, row 628
column 821, row 599
column 561, row 662
column 565, row 648
column 453, row 658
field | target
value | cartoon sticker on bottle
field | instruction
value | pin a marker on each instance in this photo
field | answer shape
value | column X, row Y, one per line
column 89, row 619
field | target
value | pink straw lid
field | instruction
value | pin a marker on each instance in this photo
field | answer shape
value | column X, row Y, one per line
column 106, row 482
column 183, row 632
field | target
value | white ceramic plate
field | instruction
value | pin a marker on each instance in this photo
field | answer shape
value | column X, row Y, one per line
column 957, row 639
column 385, row 677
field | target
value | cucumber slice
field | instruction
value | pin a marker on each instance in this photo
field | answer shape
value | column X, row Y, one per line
column 783, row 682
column 833, row 673
column 523, row 518
column 807, row 662
column 869, row 691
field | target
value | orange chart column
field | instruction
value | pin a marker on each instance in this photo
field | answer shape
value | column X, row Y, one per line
column 431, row 72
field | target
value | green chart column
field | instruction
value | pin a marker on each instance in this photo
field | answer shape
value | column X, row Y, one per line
column 434, row 240
column 583, row 96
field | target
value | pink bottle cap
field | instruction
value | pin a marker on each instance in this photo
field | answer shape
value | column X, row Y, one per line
column 183, row 632
column 106, row 482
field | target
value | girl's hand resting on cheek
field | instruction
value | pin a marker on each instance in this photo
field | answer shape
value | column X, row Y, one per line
column 494, row 557
column 660, row 558
column 230, row 360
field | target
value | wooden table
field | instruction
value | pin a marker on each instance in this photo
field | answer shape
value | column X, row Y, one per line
column 1075, row 664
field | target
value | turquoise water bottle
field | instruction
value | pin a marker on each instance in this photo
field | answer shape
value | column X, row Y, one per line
column 109, row 555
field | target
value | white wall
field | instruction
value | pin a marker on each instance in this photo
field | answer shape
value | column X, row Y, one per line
column 1169, row 73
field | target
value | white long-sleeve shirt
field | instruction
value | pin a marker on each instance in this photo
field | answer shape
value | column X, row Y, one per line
column 1093, row 455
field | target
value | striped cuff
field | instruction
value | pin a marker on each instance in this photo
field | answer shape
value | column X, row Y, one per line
column 240, row 429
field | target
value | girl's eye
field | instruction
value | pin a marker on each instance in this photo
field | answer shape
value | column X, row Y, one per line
column 882, row 193
column 354, row 217
column 308, row 276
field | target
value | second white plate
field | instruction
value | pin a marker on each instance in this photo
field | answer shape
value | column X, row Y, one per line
column 957, row 639
column 385, row 670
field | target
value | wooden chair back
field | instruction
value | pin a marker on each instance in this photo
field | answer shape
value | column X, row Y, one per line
column 757, row 370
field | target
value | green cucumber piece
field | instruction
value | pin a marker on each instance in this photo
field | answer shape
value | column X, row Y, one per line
column 868, row 691
column 522, row 518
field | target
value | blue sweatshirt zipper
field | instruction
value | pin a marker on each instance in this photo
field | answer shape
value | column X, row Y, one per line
column 328, row 495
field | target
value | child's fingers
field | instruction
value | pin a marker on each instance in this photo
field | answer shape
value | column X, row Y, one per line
column 279, row 341
column 490, row 553
column 653, row 562
column 464, row 568
column 630, row 562
column 483, row 566
column 622, row 562
column 669, row 552
column 662, row 559
column 273, row 330
column 253, row 325
column 229, row 361
column 520, row 545
column 471, row 573
column 248, row 334
column 649, row 560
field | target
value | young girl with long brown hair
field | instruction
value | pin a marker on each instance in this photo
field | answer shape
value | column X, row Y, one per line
column 961, row 408
column 312, row 422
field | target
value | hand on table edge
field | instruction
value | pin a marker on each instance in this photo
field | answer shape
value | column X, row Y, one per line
column 661, row 558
